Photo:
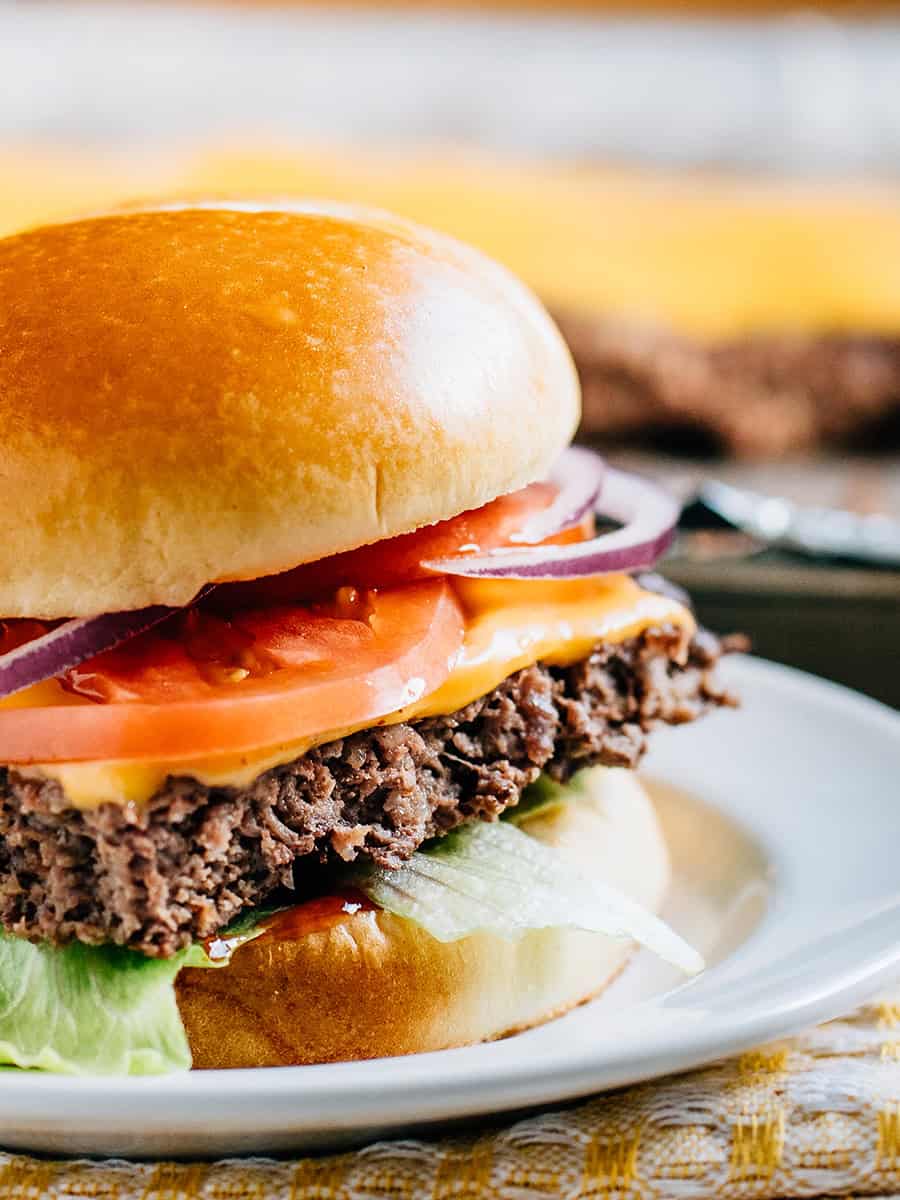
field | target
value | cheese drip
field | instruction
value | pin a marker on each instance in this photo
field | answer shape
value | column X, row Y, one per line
column 510, row 625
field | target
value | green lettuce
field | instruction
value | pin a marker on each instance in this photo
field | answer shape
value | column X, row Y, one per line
column 89, row 1010
column 493, row 878
column 100, row 1010
column 544, row 795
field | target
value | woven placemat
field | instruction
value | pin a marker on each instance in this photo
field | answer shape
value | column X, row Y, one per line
column 817, row 1115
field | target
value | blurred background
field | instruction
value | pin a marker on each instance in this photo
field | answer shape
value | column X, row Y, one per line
column 707, row 197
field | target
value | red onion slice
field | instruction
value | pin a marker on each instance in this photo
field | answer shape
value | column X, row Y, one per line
column 647, row 513
column 578, row 473
column 73, row 642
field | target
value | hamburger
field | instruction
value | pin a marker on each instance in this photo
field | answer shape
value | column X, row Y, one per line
column 322, row 688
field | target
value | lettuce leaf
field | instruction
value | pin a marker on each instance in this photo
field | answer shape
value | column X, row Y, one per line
column 89, row 1010
column 544, row 795
column 101, row 1010
column 493, row 878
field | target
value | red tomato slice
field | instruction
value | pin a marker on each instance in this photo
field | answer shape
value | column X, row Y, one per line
column 399, row 560
column 20, row 630
column 201, row 686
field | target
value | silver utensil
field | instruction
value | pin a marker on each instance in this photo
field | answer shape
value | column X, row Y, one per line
column 813, row 530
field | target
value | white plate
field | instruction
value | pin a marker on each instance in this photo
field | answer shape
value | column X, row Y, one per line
column 784, row 820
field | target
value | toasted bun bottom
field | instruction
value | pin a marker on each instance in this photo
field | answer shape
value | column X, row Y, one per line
column 369, row 984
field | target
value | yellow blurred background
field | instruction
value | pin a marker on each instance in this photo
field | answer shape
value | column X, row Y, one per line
column 706, row 253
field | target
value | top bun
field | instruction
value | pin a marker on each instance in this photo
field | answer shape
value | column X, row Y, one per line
column 224, row 390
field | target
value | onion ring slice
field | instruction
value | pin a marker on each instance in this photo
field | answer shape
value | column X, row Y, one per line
column 647, row 513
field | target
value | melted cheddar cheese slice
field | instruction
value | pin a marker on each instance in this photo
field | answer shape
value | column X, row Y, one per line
column 510, row 625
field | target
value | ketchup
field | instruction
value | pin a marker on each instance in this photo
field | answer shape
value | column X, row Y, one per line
column 312, row 916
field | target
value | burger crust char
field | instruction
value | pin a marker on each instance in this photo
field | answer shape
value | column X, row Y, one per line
column 187, row 863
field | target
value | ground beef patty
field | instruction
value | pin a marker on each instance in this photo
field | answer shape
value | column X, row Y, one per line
column 757, row 396
column 182, row 867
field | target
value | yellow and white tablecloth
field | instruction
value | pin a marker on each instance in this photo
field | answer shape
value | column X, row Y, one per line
column 818, row 1115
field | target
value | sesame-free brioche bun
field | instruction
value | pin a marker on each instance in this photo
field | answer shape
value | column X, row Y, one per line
column 368, row 984
column 215, row 392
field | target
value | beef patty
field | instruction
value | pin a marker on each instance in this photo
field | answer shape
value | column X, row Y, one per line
column 756, row 396
column 181, row 867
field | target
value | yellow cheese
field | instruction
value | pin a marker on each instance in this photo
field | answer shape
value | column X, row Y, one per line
column 509, row 626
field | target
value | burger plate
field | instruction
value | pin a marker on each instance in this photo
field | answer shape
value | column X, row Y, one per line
column 783, row 824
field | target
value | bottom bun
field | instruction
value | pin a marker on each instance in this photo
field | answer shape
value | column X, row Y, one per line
column 337, row 985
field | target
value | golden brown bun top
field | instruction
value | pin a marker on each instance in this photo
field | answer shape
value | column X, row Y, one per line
column 210, row 393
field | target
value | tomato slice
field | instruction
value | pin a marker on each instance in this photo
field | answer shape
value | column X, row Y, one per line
column 400, row 560
column 18, row 631
column 200, row 686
